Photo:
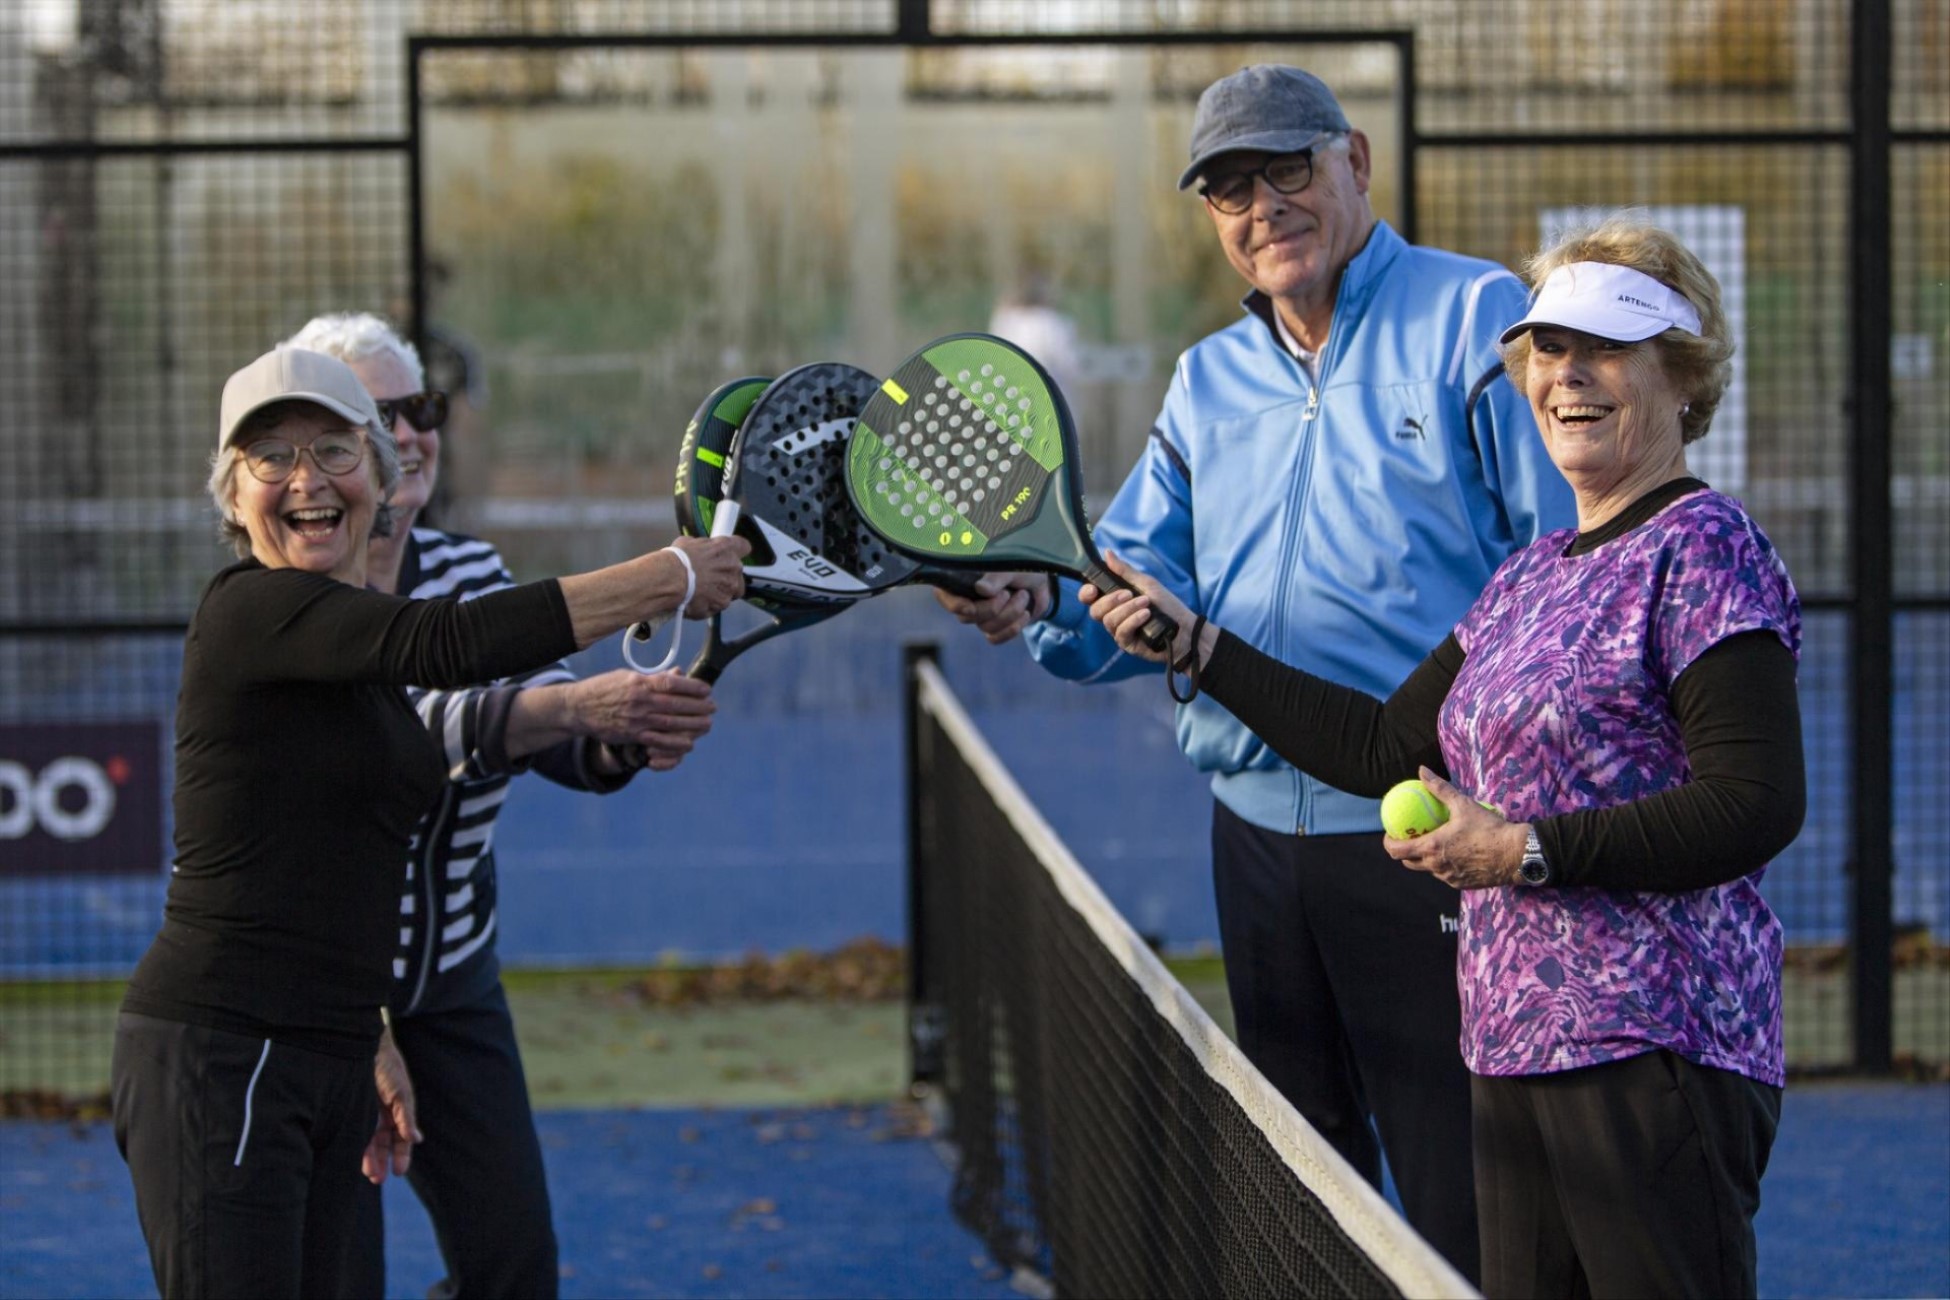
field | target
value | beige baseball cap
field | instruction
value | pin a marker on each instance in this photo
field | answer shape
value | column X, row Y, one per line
column 293, row 375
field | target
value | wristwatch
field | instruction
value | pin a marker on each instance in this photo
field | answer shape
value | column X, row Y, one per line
column 1536, row 868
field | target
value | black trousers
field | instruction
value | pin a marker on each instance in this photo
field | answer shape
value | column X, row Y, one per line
column 245, row 1157
column 1341, row 965
column 479, row 1172
column 1639, row 1177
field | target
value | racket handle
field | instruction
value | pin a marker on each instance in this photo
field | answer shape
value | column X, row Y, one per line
column 1158, row 632
column 711, row 660
column 956, row 585
column 724, row 518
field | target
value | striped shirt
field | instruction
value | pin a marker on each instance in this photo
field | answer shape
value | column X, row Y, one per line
column 447, row 912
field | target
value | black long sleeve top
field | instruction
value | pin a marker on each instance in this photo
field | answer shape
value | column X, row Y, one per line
column 301, row 772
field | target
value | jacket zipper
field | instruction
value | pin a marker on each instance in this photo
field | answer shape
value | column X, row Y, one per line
column 429, row 917
column 1337, row 331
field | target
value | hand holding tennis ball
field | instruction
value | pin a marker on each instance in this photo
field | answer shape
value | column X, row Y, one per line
column 1411, row 809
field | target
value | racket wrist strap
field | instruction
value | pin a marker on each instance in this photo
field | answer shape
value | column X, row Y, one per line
column 648, row 627
column 1188, row 666
column 690, row 581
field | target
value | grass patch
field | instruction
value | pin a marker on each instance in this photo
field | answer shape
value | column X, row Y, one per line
column 805, row 1029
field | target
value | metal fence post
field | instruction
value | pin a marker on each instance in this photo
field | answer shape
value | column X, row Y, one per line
column 1871, row 666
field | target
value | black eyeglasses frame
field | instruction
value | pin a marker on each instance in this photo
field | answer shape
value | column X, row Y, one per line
column 1263, row 171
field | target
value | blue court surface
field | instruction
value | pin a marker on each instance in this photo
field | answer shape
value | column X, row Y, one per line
column 848, row 1202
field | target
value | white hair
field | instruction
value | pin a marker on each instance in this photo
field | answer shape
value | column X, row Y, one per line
column 355, row 336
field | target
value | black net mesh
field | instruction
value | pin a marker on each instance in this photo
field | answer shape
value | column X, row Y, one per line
column 1101, row 1140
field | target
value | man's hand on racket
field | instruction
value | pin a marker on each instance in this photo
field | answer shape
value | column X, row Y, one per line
column 1474, row 849
column 1124, row 614
column 391, row 1149
column 1009, row 603
column 717, row 562
column 664, row 713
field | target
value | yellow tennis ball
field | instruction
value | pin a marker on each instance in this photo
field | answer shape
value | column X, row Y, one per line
column 1410, row 809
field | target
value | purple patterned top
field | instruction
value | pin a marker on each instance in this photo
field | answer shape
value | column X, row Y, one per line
column 1562, row 705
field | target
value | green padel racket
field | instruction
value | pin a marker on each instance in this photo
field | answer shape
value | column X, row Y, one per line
column 966, row 457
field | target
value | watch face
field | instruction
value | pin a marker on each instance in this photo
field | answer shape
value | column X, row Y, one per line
column 1535, row 871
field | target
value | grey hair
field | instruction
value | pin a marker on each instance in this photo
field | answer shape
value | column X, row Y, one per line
column 355, row 336
column 224, row 463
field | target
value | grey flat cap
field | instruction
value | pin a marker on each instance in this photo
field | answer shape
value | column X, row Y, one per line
column 1269, row 107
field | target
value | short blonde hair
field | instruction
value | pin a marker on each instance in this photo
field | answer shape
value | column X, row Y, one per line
column 222, row 484
column 1700, row 366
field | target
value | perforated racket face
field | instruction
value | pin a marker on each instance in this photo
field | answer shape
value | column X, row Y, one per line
column 963, row 457
column 791, row 483
column 708, row 442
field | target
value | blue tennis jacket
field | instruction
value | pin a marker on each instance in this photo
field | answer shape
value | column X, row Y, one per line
column 1343, row 527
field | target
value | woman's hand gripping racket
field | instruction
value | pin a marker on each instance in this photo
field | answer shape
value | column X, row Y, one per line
column 967, row 456
column 706, row 466
column 706, row 462
column 701, row 465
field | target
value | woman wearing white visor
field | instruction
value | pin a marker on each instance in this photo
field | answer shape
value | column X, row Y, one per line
column 1624, row 695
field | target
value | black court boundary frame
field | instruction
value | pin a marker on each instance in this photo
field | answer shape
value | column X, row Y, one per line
column 1869, row 140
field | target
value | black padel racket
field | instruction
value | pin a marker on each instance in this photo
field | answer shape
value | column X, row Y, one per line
column 706, row 470
column 789, row 480
column 707, row 446
column 781, row 616
column 966, row 457
column 704, row 463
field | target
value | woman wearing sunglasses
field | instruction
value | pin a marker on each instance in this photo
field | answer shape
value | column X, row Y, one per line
column 242, row 1077
column 478, row 1168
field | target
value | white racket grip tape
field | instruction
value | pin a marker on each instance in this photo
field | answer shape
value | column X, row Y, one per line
column 724, row 519
column 649, row 627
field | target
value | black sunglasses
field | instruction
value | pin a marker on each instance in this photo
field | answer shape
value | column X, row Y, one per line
column 425, row 411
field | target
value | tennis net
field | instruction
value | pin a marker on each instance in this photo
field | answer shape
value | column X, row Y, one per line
column 1107, row 1135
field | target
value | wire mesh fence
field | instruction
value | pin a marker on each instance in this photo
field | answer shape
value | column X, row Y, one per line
column 606, row 208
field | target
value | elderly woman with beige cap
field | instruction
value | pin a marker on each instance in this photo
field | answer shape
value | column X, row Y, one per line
column 243, row 1069
column 1623, row 695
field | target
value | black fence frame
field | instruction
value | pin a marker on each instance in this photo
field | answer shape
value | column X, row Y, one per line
column 1870, row 139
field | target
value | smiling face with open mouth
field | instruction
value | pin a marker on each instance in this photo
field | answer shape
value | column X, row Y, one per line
column 1608, row 411
column 312, row 520
column 387, row 377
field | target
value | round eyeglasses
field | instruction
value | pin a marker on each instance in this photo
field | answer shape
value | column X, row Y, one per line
column 1232, row 192
column 273, row 460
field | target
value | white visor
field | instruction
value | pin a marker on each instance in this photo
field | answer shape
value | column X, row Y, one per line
column 1610, row 301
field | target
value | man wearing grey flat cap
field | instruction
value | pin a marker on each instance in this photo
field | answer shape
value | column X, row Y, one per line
column 1333, row 477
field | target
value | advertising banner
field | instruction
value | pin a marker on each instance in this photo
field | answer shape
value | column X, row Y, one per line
column 81, row 799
